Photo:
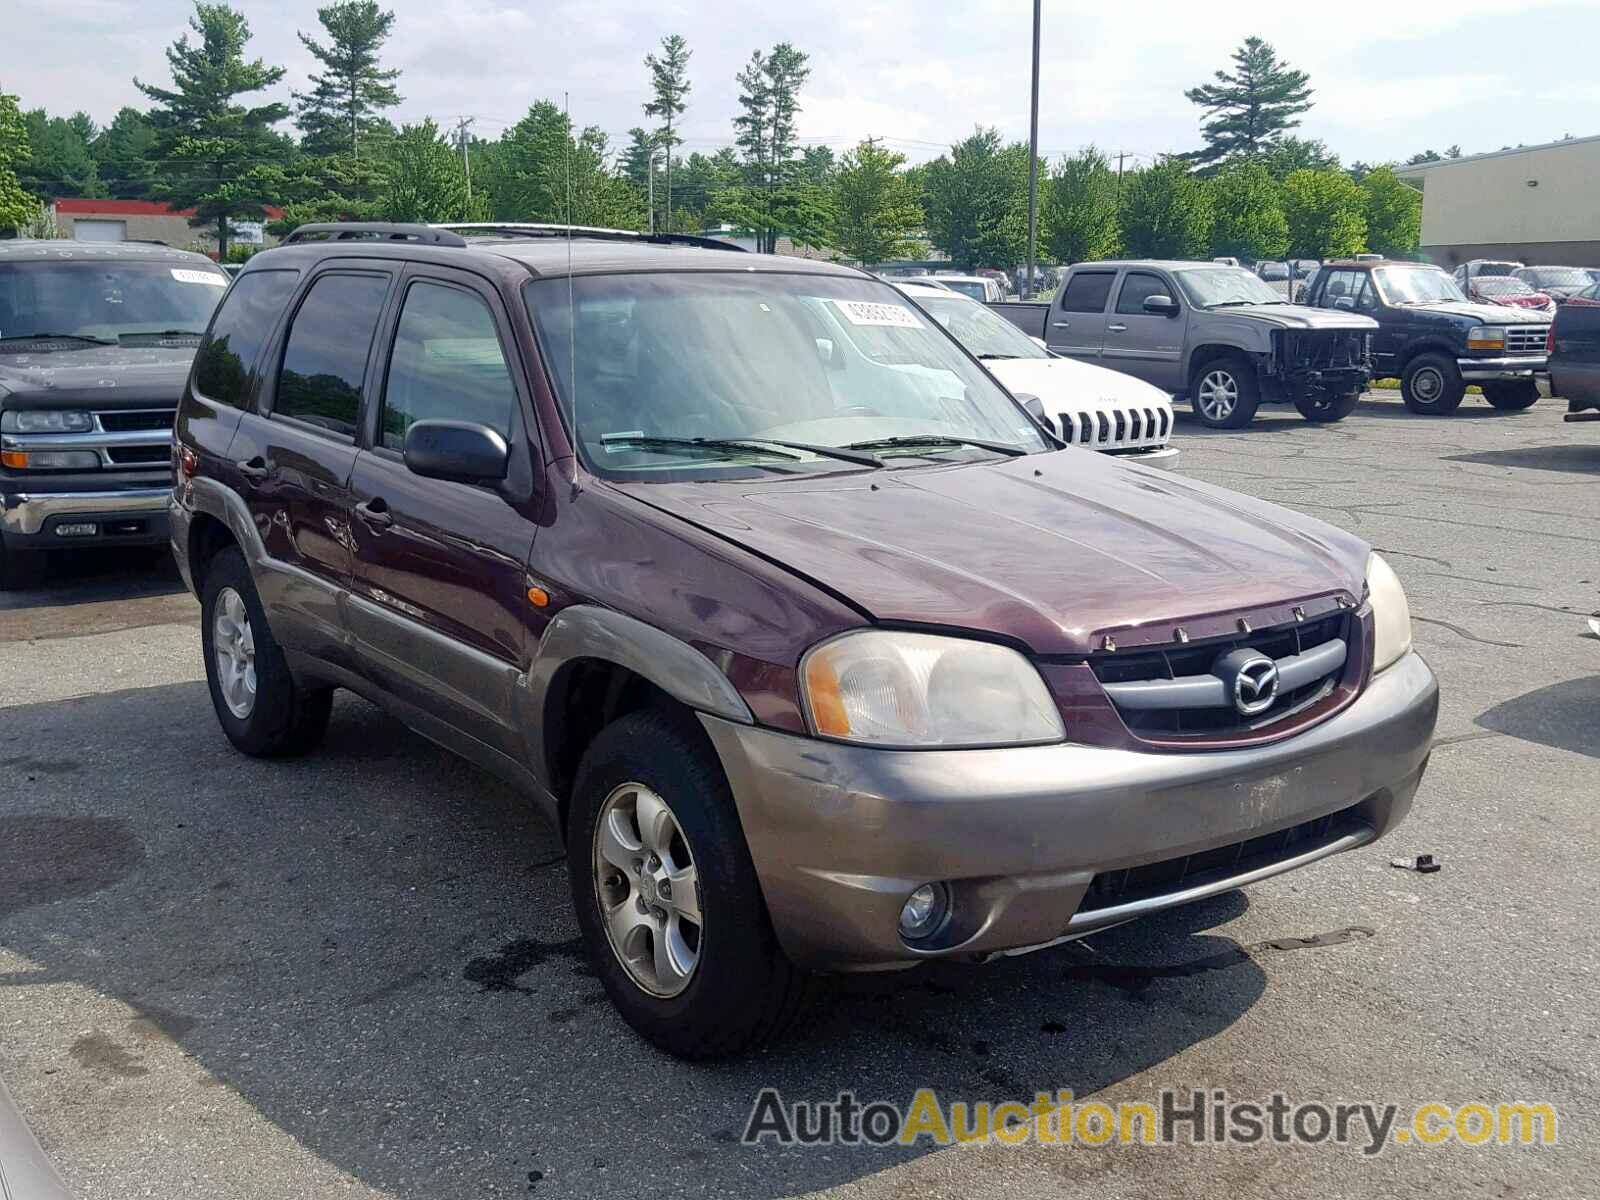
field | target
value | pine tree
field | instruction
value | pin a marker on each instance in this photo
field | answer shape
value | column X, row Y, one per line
column 1247, row 110
column 222, row 158
column 764, row 130
column 669, row 82
column 343, row 106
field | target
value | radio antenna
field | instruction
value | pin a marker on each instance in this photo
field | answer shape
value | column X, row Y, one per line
column 572, row 311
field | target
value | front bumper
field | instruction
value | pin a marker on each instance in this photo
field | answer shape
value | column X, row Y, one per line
column 1481, row 370
column 840, row 835
column 132, row 515
column 1166, row 457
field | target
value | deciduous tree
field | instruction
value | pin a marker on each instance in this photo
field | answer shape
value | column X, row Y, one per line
column 1080, row 208
column 16, row 206
column 1326, row 214
column 1166, row 212
column 875, row 212
column 1394, row 213
column 1249, row 213
column 976, row 200
column 423, row 179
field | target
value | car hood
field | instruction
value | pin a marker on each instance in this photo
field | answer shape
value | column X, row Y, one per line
column 1298, row 316
column 1487, row 314
column 97, row 376
column 1051, row 550
column 1065, row 385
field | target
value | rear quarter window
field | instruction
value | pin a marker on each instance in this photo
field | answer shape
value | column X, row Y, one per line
column 1086, row 292
column 225, row 367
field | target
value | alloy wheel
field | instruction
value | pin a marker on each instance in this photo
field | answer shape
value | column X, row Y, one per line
column 234, row 647
column 648, row 890
column 1218, row 395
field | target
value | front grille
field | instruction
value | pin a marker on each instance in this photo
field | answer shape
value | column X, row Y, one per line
column 1190, row 661
column 1109, row 889
column 139, row 455
column 1526, row 339
column 1121, row 429
column 123, row 422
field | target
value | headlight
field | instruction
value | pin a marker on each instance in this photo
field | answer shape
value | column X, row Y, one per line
column 1486, row 337
column 46, row 420
column 1391, row 616
column 887, row 688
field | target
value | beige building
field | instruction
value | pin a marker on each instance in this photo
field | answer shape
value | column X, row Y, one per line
column 1534, row 204
column 85, row 220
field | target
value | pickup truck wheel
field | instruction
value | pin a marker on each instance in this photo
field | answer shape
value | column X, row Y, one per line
column 20, row 569
column 1512, row 395
column 262, row 709
column 1324, row 408
column 667, row 896
column 1225, row 393
column 1432, row 386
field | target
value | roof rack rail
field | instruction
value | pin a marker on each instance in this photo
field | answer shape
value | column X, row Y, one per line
column 391, row 231
column 534, row 229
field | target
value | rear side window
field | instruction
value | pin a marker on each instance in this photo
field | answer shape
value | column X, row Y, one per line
column 325, row 355
column 224, row 369
column 1086, row 292
column 446, row 364
column 1137, row 287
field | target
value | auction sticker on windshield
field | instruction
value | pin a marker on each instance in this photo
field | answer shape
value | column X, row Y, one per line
column 866, row 312
column 183, row 275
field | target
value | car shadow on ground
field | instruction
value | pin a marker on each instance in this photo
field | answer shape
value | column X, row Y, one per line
column 373, row 948
column 1564, row 715
column 1575, row 458
column 96, row 576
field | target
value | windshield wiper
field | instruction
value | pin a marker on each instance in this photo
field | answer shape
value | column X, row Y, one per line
column 937, row 439
column 138, row 333
column 1242, row 303
column 988, row 357
column 757, row 445
column 59, row 337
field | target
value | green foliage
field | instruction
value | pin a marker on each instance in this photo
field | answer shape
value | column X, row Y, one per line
column 1248, row 108
column 1290, row 154
column 976, row 201
column 59, row 162
column 1166, row 212
column 537, row 165
column 875, row 212
column 1250, row 222
column 17, row 208
column 669, row 86
column 124, row 152
column 1394, row 214
column 775, row 198
column 221, row 157
column 422, row 179
column 341, row 111
column 1079, row 204
column 699, row 179
column 1326, row 214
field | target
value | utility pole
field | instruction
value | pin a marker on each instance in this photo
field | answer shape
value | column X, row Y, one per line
column 1121, row 154
column 462, row 125
column 1033, row 154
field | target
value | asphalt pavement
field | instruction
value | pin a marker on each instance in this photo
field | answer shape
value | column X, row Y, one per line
column 356, row 974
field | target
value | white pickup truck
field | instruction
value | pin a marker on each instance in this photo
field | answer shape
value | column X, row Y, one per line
column 1087, row 405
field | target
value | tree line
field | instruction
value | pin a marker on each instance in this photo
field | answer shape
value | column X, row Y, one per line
column 207, row 140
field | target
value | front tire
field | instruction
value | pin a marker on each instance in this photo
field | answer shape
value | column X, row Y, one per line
column 1512, row 395
column 264, row 712
column 1432, row 385
column 1325, row 409
column 1225, row 392
column 667, row 896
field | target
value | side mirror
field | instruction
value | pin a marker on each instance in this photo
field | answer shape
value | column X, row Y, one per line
column 1034, row 407
column 460, row 451
column 1161, row 306
column 1040, row 342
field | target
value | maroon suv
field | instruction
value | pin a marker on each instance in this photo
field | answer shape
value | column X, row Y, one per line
column 819, row 660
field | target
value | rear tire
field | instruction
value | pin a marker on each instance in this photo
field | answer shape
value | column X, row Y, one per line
column 264, row 712
column 1432, row 385
column 1326, row 409
column 20, row 570
column 1512, row 395
column 1225, row 392
column 741, row 989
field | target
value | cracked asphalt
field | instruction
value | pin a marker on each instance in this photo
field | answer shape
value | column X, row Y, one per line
column 356, row 975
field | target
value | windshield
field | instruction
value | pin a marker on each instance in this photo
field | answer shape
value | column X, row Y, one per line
column 1415, row 285
column 1562, row 277
column 1211, row 287
column 1492, row 268
column 981, row 330
column 814, row 359
column 1502, row 286
column 967, row 287
column 1274, row 272
column 103, row 300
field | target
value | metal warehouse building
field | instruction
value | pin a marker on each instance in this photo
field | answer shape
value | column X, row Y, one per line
column 1536, row 204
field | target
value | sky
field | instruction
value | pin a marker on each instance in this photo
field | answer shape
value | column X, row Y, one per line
column 1392, row 77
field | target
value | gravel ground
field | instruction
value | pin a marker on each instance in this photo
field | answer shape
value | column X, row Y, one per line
column 356, row 975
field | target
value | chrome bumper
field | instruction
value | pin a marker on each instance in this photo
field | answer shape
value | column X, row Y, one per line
column 1478, row 370
column 841, row 835
column 1165, row 458
column 25, row 513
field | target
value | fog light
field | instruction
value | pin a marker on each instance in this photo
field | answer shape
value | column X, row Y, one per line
column 925, row 910
column 78, row 529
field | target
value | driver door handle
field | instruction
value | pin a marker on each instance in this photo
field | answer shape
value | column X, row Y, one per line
column 375, row 512
column 1061, row 324
column 1116, row 329
column 254, row 468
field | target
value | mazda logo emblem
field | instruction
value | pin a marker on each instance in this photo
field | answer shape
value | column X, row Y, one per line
column 1251, row 679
